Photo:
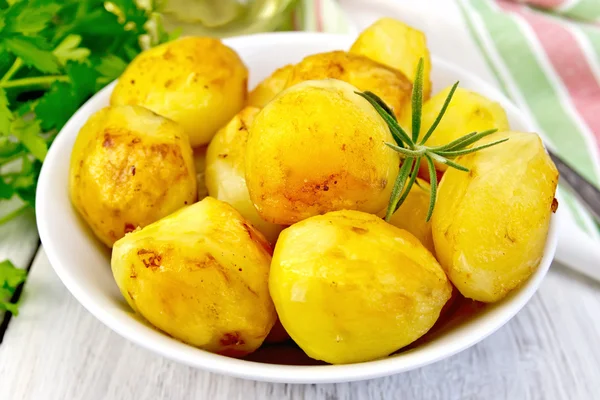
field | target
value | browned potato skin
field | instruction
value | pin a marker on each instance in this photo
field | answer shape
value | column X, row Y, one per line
column 266, row 91
column 396, row 45
column 225, row 176
column 129, row 168
column 490, row 224
column 349, row 287
column 196, row 81
column 200, row 275
column 318, row 147
column 362, row 72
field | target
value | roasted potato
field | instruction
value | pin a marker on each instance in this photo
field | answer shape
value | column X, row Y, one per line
column 319, row 147
column 129, row 168
column 490, row 224
column 266, row 91
column 197, row 82
column 201, row 276
column 225, row 170
column 412, row 215
column 349, row 287
column 397, row 45
column 363, row 73
column 200, row 164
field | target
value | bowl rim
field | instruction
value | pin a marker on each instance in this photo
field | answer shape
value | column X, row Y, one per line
column 172, row 349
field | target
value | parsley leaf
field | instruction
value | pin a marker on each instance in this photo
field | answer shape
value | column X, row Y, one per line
column 6, row 190
column 83, row 79
column 29, row 17
column 130, row 52
column 26, row 182
column 69, row 50
column 10, row 279
column 6, row 59
column 56, row 106
column 29, row 51
column 111, row 67
column 5, row 114
column 28, row 132
column 8, row 148
column 62, row 100
column 99, row 22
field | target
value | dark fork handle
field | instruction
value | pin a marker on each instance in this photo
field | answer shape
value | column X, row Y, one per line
column 587, row 193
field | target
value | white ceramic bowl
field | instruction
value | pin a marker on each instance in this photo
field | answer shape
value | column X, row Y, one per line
column 83, row 264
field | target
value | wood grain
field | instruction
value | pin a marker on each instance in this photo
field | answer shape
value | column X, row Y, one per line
column 55, row 349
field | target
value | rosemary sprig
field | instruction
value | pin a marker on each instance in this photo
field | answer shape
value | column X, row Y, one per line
column 413, row 151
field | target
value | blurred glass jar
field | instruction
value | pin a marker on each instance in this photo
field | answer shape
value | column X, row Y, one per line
column 222, row 18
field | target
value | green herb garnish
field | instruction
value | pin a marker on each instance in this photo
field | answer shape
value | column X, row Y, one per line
column 414, row 151
column 10, row 279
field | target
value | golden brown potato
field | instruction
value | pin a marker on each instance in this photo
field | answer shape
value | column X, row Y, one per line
column 397, row 45
column 349, row 287
column 412, row 215
column 490, row 224
column 200, row 275
column 129, row 168
column 200, row 163
column 363, row 73
column 266, row 91
column 197, row 82
column 319, row 147
column 225, row 171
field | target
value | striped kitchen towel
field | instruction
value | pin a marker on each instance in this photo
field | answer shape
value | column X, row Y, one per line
column 543, row 54
column 549, row 66
column 583, row 10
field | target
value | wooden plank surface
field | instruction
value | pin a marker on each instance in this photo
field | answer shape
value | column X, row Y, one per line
column 55, row 349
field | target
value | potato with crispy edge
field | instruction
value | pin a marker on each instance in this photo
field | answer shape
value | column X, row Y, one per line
column 490, row 224
column 359, row 71
column 349, row 287
column 319, row 147
column 196, row 81
column 397, row 45
column 225, row 170
column 129, row 168
column 200, row 275
column 266, row 90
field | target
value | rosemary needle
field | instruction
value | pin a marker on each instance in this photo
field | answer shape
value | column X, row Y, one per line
column 413, row 151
